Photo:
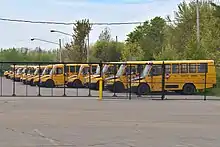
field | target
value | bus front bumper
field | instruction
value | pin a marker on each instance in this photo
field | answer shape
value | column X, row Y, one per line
column 41, row 84
column 109, row 87
column 92, row 85
column 133, row 89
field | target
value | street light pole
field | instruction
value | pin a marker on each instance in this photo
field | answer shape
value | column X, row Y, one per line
column 32, row 39
column 88, row 50
column 64, row 33
column 60, row 50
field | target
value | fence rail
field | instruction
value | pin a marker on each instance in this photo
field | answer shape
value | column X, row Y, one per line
column 120, row 80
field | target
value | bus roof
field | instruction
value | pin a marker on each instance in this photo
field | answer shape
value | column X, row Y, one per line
column 181, row 61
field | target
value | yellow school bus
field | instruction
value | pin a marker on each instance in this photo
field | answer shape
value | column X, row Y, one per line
column 128, row 70
column 58, row 75
column 13, row 70
column 79, row 81
column 27, row 72
column 108, row 70
column 10, row 71
column 38, row 71
column 6, row 74
column 182, row 76
column 18, row 74
column 45, row 74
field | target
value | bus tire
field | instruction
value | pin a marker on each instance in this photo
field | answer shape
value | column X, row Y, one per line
column 32, row 82
column 143, row 89
column 189, row 89
column 49, row 84
column 118, row 87
column 77, row 84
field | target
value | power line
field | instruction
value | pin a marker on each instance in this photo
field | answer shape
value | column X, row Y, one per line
column 66, row 23
column 94, row 24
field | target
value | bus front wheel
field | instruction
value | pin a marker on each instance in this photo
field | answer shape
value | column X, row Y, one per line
column 189, row 89
column 49, row 84
column 143, row 89
column 118, row 87
column 77, row 84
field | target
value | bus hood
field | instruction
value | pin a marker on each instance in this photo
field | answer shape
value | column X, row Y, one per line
column 111, row 77
column 137, row 78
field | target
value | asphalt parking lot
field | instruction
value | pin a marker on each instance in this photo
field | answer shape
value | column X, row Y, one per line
column 109, row 123
column 86, row 122
column 21, row 90
column 27, row 90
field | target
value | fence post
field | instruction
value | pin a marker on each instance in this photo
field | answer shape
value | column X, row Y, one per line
column 14, row 80
column 163, row 81
column 115, row 72
column 39, row 81
column 26, row 85
column 66, row 72
column 90, row 69
column 205, row 83
column 2, row 74
column 130, row 82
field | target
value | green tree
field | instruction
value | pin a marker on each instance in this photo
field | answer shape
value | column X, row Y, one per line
column 184, row 33
column 149, row 37
column 77, row 49
column 106, row 49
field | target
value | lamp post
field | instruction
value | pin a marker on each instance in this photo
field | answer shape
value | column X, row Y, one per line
column 64, row 33
column 72, row 35
column 38, row 39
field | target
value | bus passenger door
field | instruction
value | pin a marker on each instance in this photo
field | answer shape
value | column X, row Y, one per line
column 58, row 76
column 156, row 78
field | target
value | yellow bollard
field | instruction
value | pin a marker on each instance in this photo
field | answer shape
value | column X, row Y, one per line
column 100, row 89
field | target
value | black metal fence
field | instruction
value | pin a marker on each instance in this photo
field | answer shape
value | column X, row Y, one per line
column 120, row 80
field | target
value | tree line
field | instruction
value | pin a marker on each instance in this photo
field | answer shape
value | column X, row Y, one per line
column 155, row 39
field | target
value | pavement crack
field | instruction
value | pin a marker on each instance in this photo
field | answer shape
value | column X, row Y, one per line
column 54, row 142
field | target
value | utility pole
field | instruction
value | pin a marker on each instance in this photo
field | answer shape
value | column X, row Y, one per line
column 88, row 49
column 197, row 25
column 60, row 50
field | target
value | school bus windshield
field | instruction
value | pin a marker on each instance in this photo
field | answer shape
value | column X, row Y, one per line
column 36, row 71
column 145, row 71
column 97, row 72
column 46, row 71
column 105, row 69
column 121, row 70
column 19, row 71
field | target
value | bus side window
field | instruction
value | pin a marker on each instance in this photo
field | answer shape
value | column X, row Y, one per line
column 140, row 68
column 133, row 70
column 77, row 68
column 202, row 68
column 192, row 68
column 93, row 69
column 72, row 69
column 156, row 70
column 66, row 69
column 184, row 68
column 59, row 70
column 167, row 68
column 175, row 68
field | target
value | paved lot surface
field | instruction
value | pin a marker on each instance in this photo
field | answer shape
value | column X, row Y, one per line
column 109, row 123
column 6, row 89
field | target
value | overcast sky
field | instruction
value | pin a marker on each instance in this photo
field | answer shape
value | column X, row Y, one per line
column 19, row 34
